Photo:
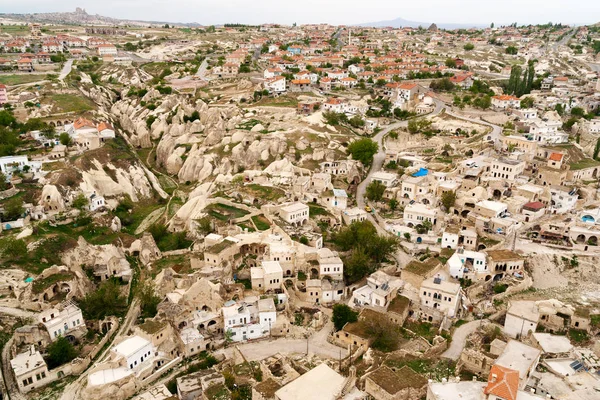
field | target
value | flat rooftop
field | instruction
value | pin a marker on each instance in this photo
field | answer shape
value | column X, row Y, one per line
column 321, row 383
column 553, row 344
column 518, row 356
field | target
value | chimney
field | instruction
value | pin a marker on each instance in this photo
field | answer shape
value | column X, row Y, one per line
column 494, row 378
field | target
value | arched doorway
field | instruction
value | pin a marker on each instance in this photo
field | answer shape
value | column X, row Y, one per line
column 314, row 273
column 593, row 241
column 580, row 239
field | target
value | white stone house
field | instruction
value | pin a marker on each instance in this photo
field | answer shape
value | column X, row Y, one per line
column 268, row 276
column 415, row 214
column 247, row 321
column 294, row 213
column 521, row 319
column 63, row 320
column 30, row 369
column 133, row 352
column 277, row 84
column 330, row 264
column 440, row 299
column 387, row 179
column 379, row 291
column 467, row 264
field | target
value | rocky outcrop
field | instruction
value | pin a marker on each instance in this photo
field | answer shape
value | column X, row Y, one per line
column 146, row 249
column 51, row 199
column 109, row 180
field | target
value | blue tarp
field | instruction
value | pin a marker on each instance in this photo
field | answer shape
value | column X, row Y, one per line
column 421, row 172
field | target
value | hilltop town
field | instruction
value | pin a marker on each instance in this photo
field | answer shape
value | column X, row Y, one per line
column 298, row 212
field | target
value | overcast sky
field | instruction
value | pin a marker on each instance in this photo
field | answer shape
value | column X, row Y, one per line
column 332, row 11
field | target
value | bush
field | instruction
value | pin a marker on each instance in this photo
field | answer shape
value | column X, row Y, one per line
column 500, row 288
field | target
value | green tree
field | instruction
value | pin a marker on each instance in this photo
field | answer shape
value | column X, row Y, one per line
column 357, row 122
column 363, row 150
column 527, row 102
column 4, row 184
column 511, row 50
column 60, row 352
column 342, row 314
column 469, row 46
column 13, row 249
column 107, row 300
column 148, row 299
column 13, row 209
column 448, row 198
column 204, row 226
column 393, row 204
column 65, row 139
column 450, row 63
column 375, row 191
column 80, row 202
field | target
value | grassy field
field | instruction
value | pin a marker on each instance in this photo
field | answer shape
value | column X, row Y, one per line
column 264, row 193
column 71, row 103
column 224, row 212
column 12, row 80
column 261, row 222
column 20, row 30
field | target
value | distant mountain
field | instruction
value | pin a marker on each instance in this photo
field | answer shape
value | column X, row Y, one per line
column 81, row 17
column 403, row 23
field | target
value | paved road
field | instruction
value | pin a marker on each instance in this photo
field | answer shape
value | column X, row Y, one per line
column 317, row 344
column 459, row 338
column 202, row 70
column 496, row 133
column 66, row 69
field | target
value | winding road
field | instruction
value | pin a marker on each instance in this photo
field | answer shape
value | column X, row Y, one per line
column 378, row 160
column 459, row 338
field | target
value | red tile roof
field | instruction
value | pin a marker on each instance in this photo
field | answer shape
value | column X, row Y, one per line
column 503, row 382
column 556, row 156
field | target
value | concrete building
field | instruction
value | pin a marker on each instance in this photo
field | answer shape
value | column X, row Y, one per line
column 330, row 264
column 467, row 264
column 379, row 291
column 464, row 390
column 504, row 262
column 417, row 213
column 521, row 319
